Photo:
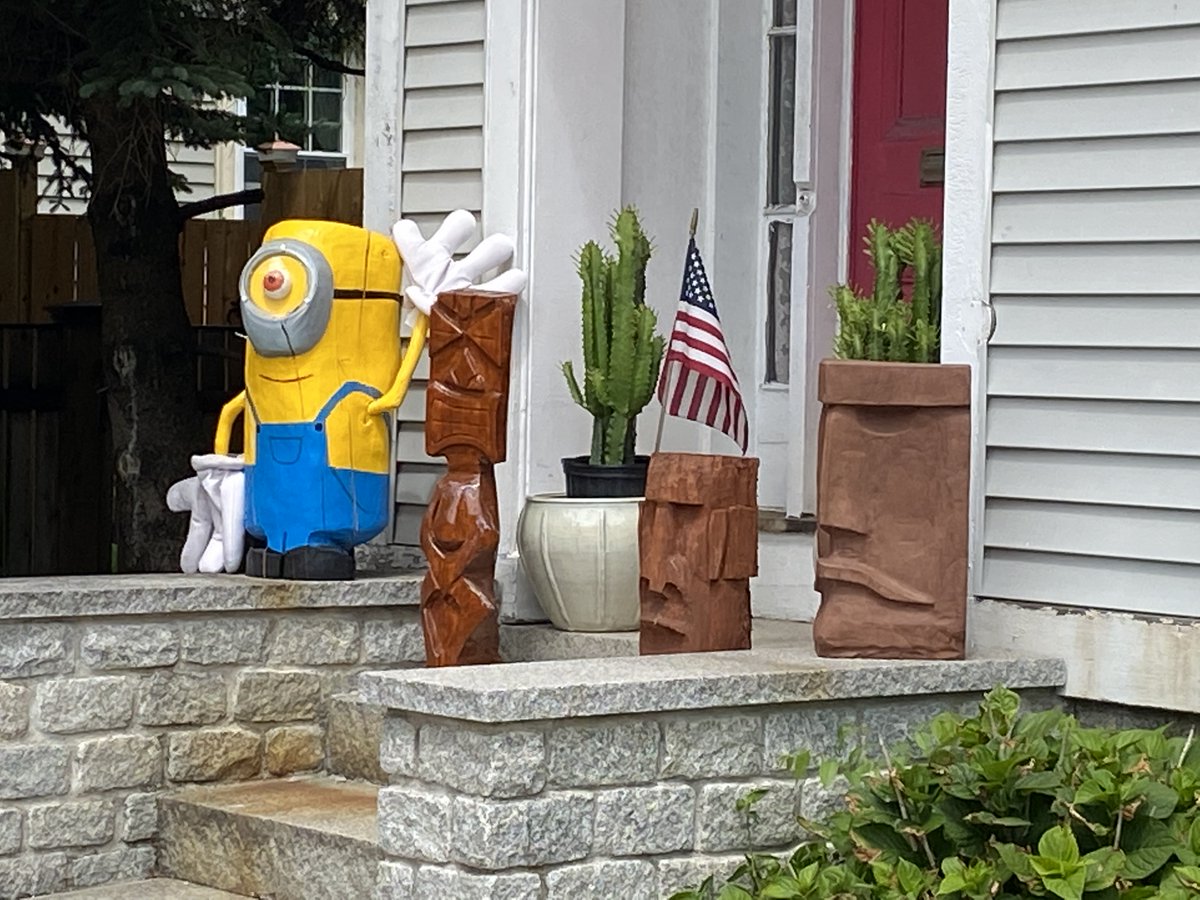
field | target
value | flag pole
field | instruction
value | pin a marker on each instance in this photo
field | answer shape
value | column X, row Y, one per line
column 662, row 407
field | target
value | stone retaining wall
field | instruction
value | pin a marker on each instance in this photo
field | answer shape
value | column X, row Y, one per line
column 98, row 713
column 497, row 799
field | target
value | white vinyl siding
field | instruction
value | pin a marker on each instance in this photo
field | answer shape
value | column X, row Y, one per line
column 193, row 163
column 1092, row 474
column 441, row 170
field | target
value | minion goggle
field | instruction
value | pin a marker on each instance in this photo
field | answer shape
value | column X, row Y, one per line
column 286, row 292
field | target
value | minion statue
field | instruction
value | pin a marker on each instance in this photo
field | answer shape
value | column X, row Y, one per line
column 322, row 306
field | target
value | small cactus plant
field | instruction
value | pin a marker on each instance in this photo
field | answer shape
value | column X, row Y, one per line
column 621, row 352
column 884, row 325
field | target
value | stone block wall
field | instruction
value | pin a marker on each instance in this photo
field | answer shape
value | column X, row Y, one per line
column 98, row 714
column 630, row 806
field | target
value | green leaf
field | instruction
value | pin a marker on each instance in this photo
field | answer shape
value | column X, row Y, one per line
column 1069, row 887
column 828, row 771
column 1103, row 866
column 1059, row 844
column 987, row 818
column 733, row 892
column 1148, row 844
column 1160, row 799
column 1016, row 859
column 1038, row 781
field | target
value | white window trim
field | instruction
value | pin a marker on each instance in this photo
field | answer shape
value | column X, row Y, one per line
column 820, row 233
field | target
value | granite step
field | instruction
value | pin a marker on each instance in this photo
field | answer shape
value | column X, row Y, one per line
column 306, row 838
column 150, row 889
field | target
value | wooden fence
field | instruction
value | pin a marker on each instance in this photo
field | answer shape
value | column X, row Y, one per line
column 55, row 473
column 48, row 260
column 56, row 486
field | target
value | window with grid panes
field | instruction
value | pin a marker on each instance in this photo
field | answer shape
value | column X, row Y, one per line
column 309, row 101
column 780, row 201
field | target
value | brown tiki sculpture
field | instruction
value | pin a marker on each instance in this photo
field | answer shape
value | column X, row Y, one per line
column 698, row 541
column 466, row 413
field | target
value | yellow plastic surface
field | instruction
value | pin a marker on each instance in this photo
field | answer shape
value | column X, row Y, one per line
column 361, row 344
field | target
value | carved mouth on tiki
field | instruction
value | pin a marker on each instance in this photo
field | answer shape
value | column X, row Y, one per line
column 285, row 380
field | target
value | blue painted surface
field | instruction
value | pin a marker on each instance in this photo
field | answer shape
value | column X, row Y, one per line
column 294, row 498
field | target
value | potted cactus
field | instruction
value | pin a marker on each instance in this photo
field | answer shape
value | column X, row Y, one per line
column 893, row 464
column 580, row 550
column 621, row 359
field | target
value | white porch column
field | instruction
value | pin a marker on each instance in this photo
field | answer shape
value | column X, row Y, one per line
column 966, row 309
column 383, row 114
column 553, row 137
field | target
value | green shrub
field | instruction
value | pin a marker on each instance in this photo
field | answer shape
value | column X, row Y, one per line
column 883, row 325
column 1000, row 805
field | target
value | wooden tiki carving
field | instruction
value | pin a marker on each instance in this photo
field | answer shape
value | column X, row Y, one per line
column 698, row 541
column 893, row 494
column 470, row 343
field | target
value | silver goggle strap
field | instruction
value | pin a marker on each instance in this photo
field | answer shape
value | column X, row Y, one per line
column 299, row 330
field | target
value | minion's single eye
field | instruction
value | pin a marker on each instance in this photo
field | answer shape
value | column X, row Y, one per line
column 276, row 284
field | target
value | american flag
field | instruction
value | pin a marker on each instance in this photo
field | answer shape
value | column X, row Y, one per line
column 697, row 381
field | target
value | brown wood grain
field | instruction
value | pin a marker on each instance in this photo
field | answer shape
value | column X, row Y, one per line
column 470, row 344
column 698, row 545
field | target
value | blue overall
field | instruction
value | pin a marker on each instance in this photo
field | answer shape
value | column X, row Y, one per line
column 294, row 498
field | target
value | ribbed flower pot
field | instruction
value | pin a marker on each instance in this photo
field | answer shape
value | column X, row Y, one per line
column 893, row 492
column 581, row 557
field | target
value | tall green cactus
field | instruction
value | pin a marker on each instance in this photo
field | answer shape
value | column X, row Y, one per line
column 885, row 325
column 621, row 352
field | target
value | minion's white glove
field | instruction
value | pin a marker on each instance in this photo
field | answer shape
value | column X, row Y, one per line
column 433, row 269
column 216, row 498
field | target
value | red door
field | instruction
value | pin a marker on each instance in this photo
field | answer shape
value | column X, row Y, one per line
column 899, row 125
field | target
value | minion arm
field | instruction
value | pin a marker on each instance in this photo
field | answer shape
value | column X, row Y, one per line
column 395, row 394
column 229, row 413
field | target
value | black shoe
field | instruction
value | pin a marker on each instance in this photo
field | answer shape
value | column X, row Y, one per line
column 263, row 563
column 318, row 564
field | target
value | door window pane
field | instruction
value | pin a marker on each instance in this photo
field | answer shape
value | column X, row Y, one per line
column 779, row 301
column 785, row 13
column 781, row 189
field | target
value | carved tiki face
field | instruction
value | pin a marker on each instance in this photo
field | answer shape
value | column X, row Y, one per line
column 470, row 340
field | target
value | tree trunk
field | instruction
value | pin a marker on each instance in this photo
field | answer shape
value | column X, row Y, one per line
column 146, row 340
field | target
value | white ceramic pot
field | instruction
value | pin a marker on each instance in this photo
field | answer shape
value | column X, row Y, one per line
column 581, row 556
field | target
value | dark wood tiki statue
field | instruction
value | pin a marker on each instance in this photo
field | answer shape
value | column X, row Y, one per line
column 466, row 413
column 698, row 540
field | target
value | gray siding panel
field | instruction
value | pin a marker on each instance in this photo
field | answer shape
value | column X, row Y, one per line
column 1100, row 373
column 1095, row 268
column 1108, row 479
column 1153, row 535
column 1105, row 111
column 1094, row 426
column 1110, row 216
column 1081, row 321
column 1169, row 589
column 441, row 170
column 1092, row 471
column 1044, row 18
column 1098, row 164
column 1094, row 59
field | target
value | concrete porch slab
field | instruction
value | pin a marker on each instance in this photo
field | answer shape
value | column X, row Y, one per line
column 532, row 643
column 529, row 691
column 119, row 595
column 150, row 889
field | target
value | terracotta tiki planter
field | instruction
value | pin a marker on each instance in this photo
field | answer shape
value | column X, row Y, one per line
column 893, row 478
column 698, row 543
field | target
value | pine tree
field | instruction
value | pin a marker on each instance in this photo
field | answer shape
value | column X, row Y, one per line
column 127, row 76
